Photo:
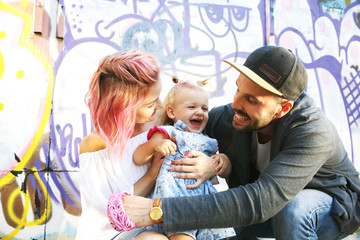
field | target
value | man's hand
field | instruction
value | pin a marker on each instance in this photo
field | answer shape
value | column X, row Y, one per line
column 138, row 208
column 197, row 166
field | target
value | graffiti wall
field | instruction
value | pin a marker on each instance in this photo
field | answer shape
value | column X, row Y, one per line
column 49, row 50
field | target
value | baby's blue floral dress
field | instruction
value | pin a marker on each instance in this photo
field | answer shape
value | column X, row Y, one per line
column 169, row 186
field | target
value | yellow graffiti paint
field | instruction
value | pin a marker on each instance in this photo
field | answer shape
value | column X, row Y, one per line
column 22, row 221
column 24, row 3
column 1, row 106
column 20, row 74
column 23, row 42
column 2, row 36
column 2, row 65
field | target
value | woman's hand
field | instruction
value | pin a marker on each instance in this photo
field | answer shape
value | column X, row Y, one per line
column 146, row 183
column 156, row 165
column 197, row 166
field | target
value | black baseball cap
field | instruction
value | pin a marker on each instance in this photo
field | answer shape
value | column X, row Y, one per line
column 275, row 69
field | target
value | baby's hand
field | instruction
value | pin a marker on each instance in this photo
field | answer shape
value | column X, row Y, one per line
column 164, row 147
column 222, row 165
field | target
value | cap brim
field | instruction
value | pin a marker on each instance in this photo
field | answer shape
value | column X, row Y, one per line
column 254, row 77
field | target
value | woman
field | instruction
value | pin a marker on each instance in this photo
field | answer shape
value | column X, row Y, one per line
column 123, row 96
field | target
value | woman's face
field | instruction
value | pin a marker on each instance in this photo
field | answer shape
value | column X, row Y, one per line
column 146, row 112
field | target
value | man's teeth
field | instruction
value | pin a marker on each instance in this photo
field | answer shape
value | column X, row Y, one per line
column 240, row 117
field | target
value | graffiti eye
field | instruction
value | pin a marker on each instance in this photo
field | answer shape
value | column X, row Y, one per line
column 240, row 18
column 219, row 20
column 357, row 19
column 214, row 14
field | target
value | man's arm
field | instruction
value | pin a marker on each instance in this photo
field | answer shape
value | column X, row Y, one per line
column 138, row 209
column 304, row 151
column 307, row 145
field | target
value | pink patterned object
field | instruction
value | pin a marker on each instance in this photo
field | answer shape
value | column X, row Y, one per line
column 118, row 218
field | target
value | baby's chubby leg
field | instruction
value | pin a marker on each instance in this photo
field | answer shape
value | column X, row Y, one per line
column 180, row 236
column 150, row 235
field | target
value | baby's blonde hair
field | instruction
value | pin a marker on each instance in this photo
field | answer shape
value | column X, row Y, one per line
column 173, row 93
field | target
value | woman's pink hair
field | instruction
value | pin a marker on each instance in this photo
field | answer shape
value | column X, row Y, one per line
column 116, row 90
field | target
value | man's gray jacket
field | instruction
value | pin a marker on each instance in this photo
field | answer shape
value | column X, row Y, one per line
column 306, row 152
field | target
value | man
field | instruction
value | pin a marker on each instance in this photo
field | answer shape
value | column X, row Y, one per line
column 291, row 177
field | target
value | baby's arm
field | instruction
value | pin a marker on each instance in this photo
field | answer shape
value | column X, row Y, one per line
column 223, row 165
column 157, row 143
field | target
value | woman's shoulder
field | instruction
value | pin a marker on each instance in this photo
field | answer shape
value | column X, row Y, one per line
column 92, row 143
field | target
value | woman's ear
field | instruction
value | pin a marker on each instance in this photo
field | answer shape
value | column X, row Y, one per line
column 170, row 112
column 285, row 107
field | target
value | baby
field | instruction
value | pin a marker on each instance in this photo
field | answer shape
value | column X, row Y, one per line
column 185, row 117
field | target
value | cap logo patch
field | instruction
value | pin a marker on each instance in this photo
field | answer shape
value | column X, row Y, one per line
column 270, row 73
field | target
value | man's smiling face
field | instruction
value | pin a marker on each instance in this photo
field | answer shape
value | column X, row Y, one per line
column 255, row 108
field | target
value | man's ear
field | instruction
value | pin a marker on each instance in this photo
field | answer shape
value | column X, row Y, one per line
column 285, row 107
column 170, row 112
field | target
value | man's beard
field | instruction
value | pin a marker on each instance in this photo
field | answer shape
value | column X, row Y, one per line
column 255, row 125
column 251, row 128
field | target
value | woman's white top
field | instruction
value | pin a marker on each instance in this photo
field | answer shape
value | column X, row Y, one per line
column 101, row 176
